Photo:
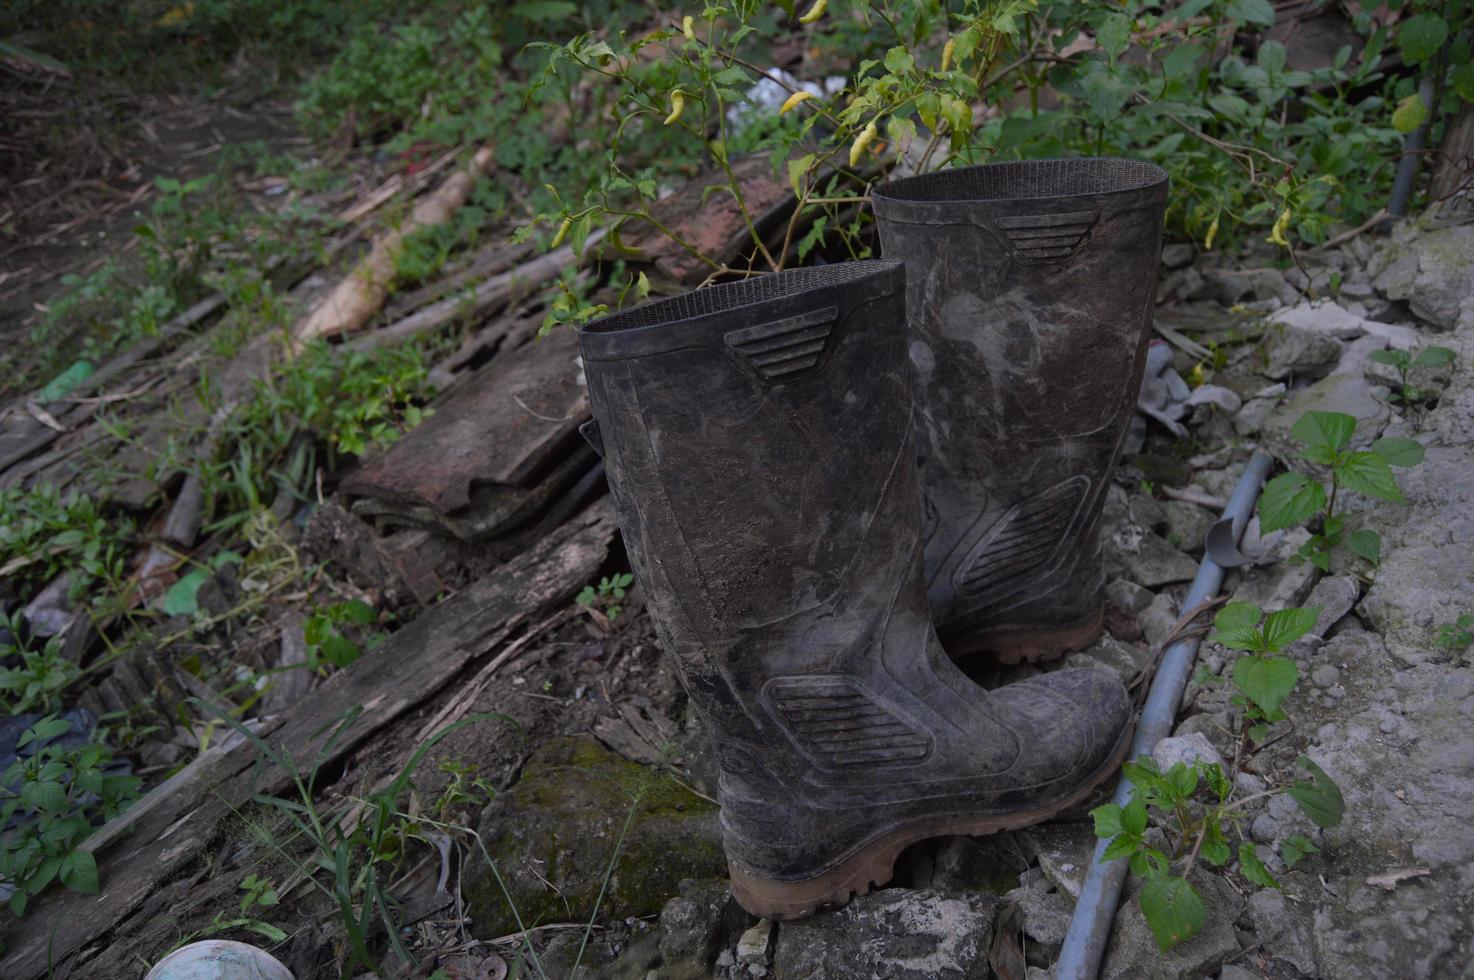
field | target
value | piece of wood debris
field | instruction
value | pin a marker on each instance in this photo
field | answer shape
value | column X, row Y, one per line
column 1390, row 879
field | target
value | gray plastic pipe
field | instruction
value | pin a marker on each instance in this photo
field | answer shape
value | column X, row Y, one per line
column 1085, row 942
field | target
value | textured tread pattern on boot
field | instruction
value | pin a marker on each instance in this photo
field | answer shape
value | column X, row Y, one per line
column 1039, row 238
column 1024, row 542
column 839, row 724
column 784, row 348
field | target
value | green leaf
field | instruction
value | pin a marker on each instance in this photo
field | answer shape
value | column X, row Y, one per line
column 1367, row 543
column 1237, row 616
column 1215, row 849
column 1113, row 34
column 1421, row 36
column 1288, row 625
column 1463, row 81
column 1253, row 868
column 1107, row 820
column 357, row 611
column 1433, row 357
column 1272, row 57
column 44, row 731
column 1324, row 430
column 182, row 599
column 1172, row 909
column 1183, row 781
column 1133, row 818
column 79, row 872
column 1396, row 358
column 898, row 61
column 339, row 651
column 1292, row 849
column 1121, row 846
column 1289, row 499
column 1217, row 781
column 1409, row 114
column 1368, row 473
column 1400, row 452
column 1321, row 798
column 1266, row 681
column 1181, row 60
column 796, row 169
column 1259, row 12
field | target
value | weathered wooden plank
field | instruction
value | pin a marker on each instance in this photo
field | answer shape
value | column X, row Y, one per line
column 506, row 426
column 171, row 827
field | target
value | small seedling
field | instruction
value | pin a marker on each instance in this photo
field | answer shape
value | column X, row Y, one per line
column 1196, row 802
column 1403, row 361
column 258, row 891
column 1264, row 679
column 326, row 634
column 1197, row 811
column 35, row 685
column 1295, row 498
column 605, row 598
column 1458, row 635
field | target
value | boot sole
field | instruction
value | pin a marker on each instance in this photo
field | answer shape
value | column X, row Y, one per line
column 1032, row 646
column 874, row 864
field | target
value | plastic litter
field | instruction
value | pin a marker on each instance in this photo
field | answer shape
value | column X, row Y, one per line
column 219, row 959
column 768, row 95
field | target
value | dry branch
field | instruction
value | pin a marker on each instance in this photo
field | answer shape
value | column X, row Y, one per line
column 354, row 301
column 494, row 292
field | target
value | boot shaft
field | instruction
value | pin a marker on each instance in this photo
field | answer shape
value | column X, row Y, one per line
column 1031, row 288
column 753, row 433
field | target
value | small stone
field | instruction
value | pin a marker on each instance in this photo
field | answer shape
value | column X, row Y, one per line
column 1177, row 255
column 1186, row 749
column 1282, row 585
column 1133, row 953
column 1046, row 913
column 1126, row 595
column 1283, row 929
column 1334, row 597
column 1264, row 829
column 752, row 948
column 1187, row 524
column 695, row 925
column 1158, row 619
column 1388, row 726
column 1127, row 660
column 1212, row 725
column 1325, row 675
column 1064, row 851
column 1249, row 784
column 1147, row 558
column 1291, row 352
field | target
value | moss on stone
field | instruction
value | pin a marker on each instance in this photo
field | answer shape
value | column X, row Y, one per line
column 552, row 836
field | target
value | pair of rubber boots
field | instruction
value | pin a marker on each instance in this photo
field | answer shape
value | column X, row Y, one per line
column 832, row 480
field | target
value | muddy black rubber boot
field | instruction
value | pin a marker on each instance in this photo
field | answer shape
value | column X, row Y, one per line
column 1029, row 306
column 761, row 456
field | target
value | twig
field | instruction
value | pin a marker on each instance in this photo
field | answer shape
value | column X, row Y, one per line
column 1362, row 228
